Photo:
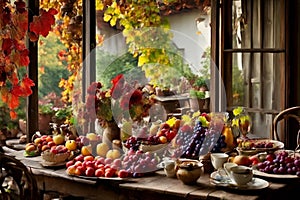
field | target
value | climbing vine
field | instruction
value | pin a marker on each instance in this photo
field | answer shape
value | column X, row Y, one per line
column 148, row 36
column 69, row 29
column 14, row 54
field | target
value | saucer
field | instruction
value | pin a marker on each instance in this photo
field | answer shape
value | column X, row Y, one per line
column 225, row 181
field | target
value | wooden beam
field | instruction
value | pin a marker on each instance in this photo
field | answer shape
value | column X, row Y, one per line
column 32, row 101
column 215, row 55
column 89, row 44
column 226, row 60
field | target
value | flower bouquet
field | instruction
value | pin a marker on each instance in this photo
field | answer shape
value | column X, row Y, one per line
column 124, row 102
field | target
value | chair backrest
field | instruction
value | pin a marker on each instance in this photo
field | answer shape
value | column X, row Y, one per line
column 14, row 174
column 292, row 112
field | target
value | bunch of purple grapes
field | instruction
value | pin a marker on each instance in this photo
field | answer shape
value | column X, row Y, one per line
column 132, row 143
column 281, row 163
column 183, row 140
column 199, row 142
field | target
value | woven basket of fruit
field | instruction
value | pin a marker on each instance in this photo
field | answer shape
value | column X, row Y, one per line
column 254, row 146
column 55, row 156
column 153, row 148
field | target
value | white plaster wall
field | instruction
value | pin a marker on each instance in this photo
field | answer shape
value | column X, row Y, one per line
column 188, row 38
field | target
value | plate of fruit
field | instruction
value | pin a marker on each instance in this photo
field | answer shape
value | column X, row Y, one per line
column 280, row 164
column 253, row 146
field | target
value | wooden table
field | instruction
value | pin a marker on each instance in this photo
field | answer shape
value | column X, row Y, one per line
column 156, row 186
column 174, row 105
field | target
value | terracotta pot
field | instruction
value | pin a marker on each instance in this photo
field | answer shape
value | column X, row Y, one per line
column 44, row 122
column 22, row 125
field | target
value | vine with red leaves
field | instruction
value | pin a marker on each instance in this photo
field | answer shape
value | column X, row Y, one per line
column 69, row 31
column 13, row 51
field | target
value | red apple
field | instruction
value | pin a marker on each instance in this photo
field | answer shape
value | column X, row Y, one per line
column 99, row 172
column 69, row 163
column 82, row 168
column 88, row 163
column 254, row 159
column 54, row 151
column 109, row 172
column 88, row 157
column 171, row 134
column 164, row 126
column 80, row 157
column 51, row 144
column 71, row 170
column 123, row 173
column 78, row 172
column 90, row 171
column 78, row 163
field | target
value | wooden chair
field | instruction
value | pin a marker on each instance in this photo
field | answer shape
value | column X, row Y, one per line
column 292, row 112
column 16, row 181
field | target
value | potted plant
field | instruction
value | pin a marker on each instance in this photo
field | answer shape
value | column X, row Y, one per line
column 46, row 113
column 198, row 95
column 62, row 114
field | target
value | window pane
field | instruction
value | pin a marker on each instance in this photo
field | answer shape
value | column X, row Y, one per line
column 258, row 24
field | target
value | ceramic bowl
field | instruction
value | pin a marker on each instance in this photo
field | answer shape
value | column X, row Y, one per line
column 188, row 171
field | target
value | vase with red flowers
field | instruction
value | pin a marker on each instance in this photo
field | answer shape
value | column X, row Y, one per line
column 125, row 101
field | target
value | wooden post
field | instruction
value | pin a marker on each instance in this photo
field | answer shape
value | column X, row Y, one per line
column 89, row 44
column 32, row 100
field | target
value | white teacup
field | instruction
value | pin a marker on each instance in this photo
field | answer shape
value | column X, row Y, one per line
column 240, row 174
column 218, row 159
column 227, row 167
column 169, row 168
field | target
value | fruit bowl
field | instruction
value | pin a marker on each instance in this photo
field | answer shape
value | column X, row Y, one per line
column 254, row 146
column 55, row 157
column 152, row 148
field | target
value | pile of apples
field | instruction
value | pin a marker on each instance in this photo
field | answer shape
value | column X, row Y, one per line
column 52, row 143
column 98, row 166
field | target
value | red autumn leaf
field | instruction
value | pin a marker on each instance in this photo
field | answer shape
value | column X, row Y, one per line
column 13, row 114
column 35, row 26
column 19, row 45
column 41, row 25
column 52, row 11
column 4, row 95
column 21, row 58
column 15, row 78
column 7, row 46
column 33, row 37
column 20, row 20
column 14, row 98
column 26, row 85
column 6, row 16
column 24, row 59
column 20, row 6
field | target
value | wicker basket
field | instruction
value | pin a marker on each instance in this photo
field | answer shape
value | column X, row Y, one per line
column 55, row 158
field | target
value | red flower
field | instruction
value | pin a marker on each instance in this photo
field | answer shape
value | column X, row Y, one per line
column 117, row 82
column 136, row 97
column 124, row 102
column 92, row 88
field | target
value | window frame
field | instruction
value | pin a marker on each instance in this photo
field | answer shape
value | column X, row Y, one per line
column 222, row 53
